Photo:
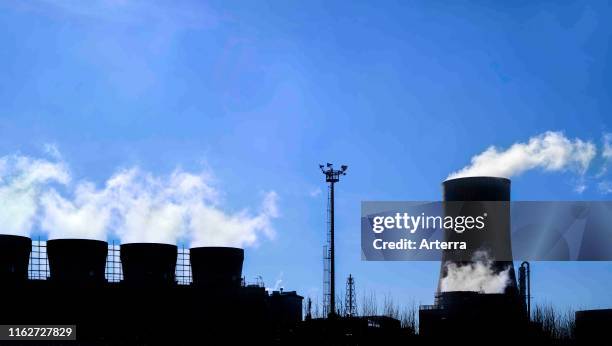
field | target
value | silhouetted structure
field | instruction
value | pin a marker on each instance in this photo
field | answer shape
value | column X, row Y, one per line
column 77, row 261
column 495, row 241
column 148, row 306
column 465, row 315
column 474, row 316
column 14, row 258
column 362, row 330
column 148, row 264
column 286, row 309
column 350, row 299
column 593, row 326
column 216, row 268
column 332, row 176
column 525, row 286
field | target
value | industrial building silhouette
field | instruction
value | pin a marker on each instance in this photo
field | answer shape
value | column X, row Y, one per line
column 147, row 306
column 474, row 315
column 499, row 317
column 150, row 305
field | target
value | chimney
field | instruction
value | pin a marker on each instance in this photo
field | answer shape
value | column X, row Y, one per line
column 496, row 237
column 148, row 264
column 14, row 258
column 77, row 261
column 216, row 268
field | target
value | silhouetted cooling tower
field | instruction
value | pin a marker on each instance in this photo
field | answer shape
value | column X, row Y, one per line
column 216, row 267
column 148, row 263
column 495, row 238
column 14, row 257
column 77, row 261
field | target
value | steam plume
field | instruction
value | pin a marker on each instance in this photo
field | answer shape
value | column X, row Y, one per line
column 210, row 227
column 477, row 276
column 86, row 216
column 22, row 180
column 550, row 151
column 134, row 205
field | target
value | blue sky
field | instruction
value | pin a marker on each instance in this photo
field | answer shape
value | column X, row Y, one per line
column 259, row 94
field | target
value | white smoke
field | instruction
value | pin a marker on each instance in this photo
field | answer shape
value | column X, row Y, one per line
column 152, row 209
column 209, row 226
column 22, row 180
column 550, row 151
column 87, row 215
column 183, row 205
column 134, row 205
column 477, row 276
column 278, row 284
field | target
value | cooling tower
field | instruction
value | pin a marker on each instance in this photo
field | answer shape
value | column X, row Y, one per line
column 14, row 258
column 216, row 267
column 494, row 239
column 148, row 264
column 77, row 261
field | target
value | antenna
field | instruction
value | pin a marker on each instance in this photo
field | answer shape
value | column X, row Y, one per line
column 351, row 301
column 332, row 176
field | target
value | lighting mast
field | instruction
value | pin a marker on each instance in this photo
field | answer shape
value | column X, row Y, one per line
column 332, row 176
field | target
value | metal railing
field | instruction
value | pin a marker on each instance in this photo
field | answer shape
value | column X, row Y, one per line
column 38, row 267
column 183, row 267
column 114, row 271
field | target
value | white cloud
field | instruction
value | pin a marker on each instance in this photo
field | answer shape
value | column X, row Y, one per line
column 550, row 151
column 22, row 180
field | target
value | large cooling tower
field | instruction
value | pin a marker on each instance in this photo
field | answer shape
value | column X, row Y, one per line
column 216, row 267
column 14, row 258
column 148, row 264
column 77, row 261
column 495, row 239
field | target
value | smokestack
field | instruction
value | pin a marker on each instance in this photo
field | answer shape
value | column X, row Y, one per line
column 77, row 261
column 14, row 258
column 148, row 264
column 495, row 239
column 217, row 268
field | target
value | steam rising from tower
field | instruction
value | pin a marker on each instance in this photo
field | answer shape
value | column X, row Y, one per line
column 134, row 205
column 482, row 273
